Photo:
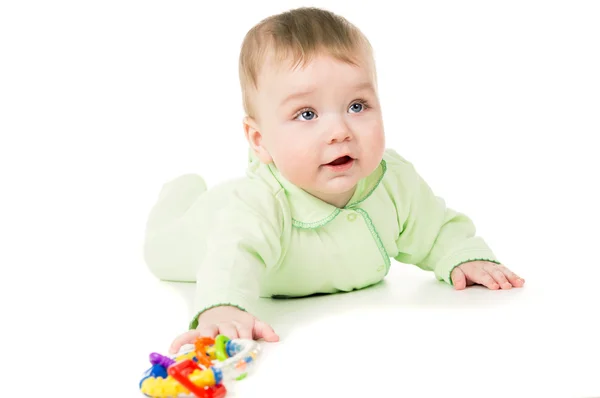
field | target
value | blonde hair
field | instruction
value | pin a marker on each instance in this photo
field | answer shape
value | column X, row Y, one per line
column 297, row 35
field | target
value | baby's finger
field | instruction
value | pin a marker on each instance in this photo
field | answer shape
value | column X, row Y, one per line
column 264, row 331
column 208, row 330
column 513, row 278
column 186, row 338
column 459, row 280
column 228, row 329
column 479, row 275
column 244, row 331
column 498, row 275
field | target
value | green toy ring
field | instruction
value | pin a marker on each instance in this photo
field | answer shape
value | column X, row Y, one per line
column 220, row 351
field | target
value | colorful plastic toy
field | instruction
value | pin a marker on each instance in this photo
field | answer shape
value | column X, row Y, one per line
column 201, row 371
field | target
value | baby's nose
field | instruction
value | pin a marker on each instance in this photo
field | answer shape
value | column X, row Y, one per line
column 339, row 133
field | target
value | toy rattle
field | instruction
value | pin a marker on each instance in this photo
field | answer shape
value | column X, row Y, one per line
column 201, row 371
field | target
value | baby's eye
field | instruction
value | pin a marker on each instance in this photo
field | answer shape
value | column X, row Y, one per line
column 357, row 107
column 306, row 115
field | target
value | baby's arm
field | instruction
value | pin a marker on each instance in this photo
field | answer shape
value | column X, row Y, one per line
column 439, row 239
column 224, row 240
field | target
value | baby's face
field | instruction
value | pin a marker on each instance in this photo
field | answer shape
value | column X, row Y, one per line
column 321, row 125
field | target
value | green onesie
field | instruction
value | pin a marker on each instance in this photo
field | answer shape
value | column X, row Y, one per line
column 261, row 236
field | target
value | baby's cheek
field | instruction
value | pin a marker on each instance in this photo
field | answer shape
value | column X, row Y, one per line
column 373, row 139
column 298, row 166
column 292, row 165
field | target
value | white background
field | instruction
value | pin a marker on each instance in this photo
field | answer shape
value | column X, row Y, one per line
column 496, row 103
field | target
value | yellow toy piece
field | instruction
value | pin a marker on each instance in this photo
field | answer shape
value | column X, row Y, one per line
column 183, row 357
column 163, row 388
column 203, row 378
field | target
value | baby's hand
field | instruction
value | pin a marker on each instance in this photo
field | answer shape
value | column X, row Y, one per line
column 229, row 321
column 494, row 276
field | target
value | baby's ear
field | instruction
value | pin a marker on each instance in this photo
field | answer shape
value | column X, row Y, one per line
column 255, row 139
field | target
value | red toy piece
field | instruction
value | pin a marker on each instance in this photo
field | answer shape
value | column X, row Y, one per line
column 181, row 372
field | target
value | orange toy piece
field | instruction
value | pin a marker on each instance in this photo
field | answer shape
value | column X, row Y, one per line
column 201, row 355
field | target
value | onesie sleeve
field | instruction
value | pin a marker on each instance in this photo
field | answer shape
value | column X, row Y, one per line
column 223, row 239
column 432, row 236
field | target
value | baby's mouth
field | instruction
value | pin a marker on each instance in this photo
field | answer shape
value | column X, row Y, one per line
column 340, row 161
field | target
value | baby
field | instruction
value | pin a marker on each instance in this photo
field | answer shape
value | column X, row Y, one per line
column 324, row 205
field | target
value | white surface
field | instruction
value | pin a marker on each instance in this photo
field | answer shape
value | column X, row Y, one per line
column 412, row 336
column 495, row 103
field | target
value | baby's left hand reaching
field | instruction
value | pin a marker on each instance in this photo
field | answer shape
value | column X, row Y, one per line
column 493, row 276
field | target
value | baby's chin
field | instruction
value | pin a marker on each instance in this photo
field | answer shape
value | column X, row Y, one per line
column 326, row 184
column 339, row 186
